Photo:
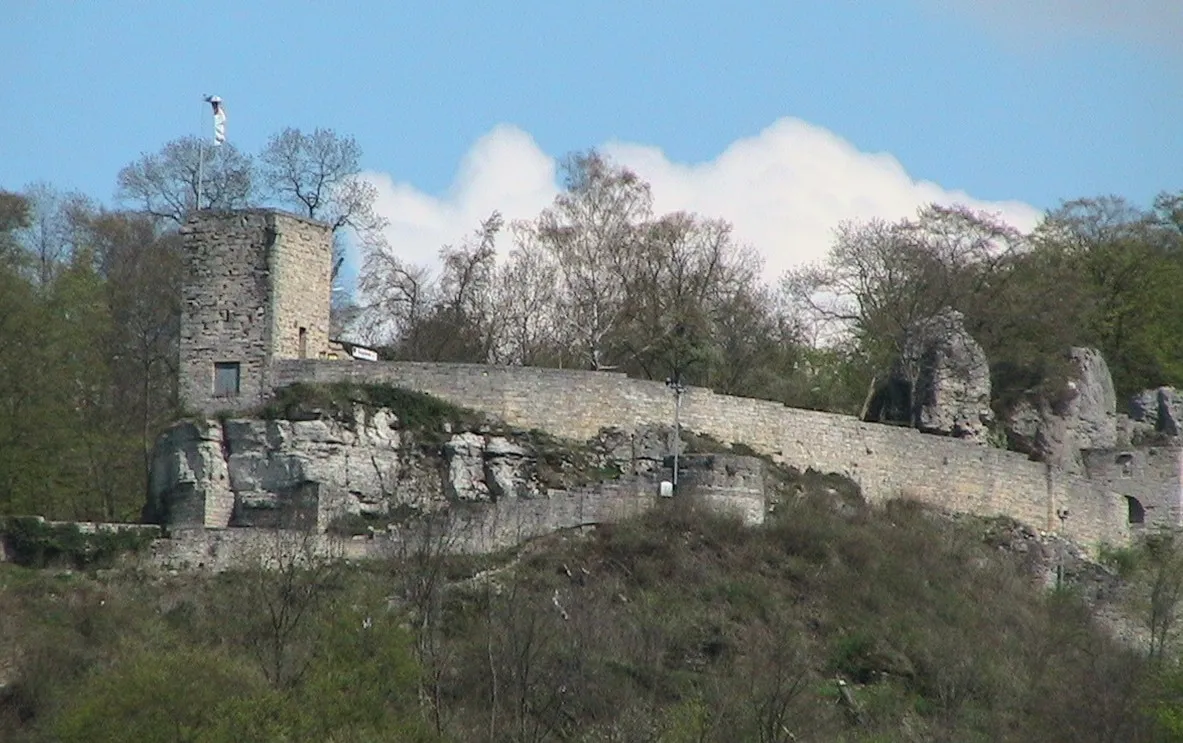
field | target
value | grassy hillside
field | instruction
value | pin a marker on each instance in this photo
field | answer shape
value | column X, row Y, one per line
column 834, row 622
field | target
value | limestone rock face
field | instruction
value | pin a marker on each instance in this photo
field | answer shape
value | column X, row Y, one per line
column 952, row 374
column 1157, row 411
column 508, row 467
column 640, row 450
column 466, row 468
column 1090, row 413
column 488, row 468
column 306, row 473
column 190, row 484
column 1084, row 418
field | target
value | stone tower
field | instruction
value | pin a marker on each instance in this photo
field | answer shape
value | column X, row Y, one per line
column 256, row 288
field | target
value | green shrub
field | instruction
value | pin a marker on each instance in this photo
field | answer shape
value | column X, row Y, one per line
column 1123, row 560
column 34, row 542
column 416, row 411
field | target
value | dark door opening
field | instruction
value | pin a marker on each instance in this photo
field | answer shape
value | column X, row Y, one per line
column 1135, row 513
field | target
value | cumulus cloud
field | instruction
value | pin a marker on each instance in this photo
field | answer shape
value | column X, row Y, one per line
column 784, row 190
column 1156, row 21
column 504, row 170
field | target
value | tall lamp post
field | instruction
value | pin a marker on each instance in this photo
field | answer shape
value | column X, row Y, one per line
column 679, row 388
column 1062, row 513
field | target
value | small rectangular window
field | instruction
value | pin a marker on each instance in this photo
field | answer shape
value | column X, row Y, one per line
column 226, row 379
column 303, row 343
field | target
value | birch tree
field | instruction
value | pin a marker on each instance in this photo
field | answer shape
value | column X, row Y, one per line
column 527, row 293
column 591, row 231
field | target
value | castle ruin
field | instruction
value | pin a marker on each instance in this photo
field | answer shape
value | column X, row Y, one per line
column 256, row 318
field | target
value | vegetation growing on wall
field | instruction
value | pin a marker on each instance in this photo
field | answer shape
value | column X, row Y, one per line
column 416, row 411
column 33, row 542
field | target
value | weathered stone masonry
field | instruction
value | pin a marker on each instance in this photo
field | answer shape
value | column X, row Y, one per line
column 256, row 288
column 886, row 461
column 257, row 294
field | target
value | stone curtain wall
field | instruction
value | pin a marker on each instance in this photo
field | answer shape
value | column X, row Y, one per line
column 236, row 262
column 480, row 529
column 886, row 461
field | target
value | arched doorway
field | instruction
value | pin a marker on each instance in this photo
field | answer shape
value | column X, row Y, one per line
column 1135, row 513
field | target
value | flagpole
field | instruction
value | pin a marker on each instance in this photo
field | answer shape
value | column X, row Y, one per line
column 200, row 158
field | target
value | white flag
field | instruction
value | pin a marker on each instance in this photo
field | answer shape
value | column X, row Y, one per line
column 219, row 119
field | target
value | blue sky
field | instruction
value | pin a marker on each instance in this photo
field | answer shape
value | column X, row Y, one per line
column 755, row 111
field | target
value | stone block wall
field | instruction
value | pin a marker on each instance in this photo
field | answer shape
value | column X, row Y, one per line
column 886, row 461
column 726, row 483
column 1151, row 476
column 479, row 529
column 301, row 279
column 252, row 279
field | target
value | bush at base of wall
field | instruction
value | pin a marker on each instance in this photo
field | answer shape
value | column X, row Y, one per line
column 30, row 541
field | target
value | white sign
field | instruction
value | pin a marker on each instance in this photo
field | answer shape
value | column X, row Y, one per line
column 364, row 354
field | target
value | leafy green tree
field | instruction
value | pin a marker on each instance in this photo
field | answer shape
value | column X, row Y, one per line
column 1131, row 261
column 20, row 356
column 141, row 271
column 15, row 215
column 176, row 694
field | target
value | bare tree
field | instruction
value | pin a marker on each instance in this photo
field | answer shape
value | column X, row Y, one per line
column 53, row 229
column 418, row 559
column 527, row 300
column 293, row 577
column 881, row 280
column 165, row 184
column 318, row 175
column 397, row 296
column 452, row 317
column 591, row 231
column 684, row 274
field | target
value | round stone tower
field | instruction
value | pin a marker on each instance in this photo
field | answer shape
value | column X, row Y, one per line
column 256, row 287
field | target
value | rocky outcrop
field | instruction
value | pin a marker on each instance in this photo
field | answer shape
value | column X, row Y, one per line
column 640, row 450
column 1083, row 417
column 1090, row 412
column 306, row 473
column 488, row 468
column 1158, row 411
column 947, row 377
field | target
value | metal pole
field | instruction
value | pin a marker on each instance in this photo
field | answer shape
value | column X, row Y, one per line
column 200, row 170
column 201, row 156
column 677, row 429
column 675, row 383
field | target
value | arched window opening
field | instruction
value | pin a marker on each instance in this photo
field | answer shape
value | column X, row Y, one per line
column 1135, row 513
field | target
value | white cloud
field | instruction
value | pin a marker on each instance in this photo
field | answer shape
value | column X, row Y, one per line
column 1038, row 21
column 784, row 190
column 504, row 170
